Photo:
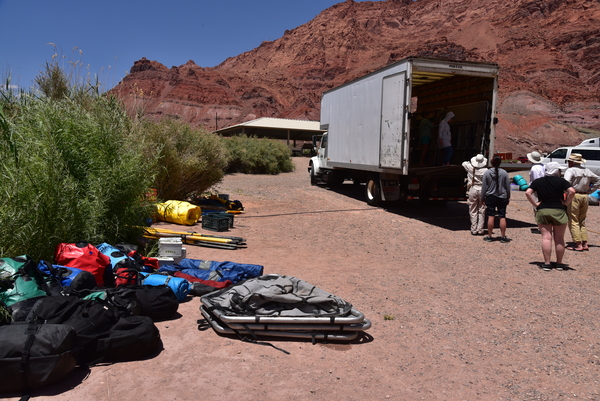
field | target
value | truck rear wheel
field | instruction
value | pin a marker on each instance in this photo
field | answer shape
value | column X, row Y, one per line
column 373, row 191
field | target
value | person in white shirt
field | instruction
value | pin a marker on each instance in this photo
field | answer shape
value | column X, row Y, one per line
column 584, row 182
column 445, row 139
column 475, row 169
column 538, row 169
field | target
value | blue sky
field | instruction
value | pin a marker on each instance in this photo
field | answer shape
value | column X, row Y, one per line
column 105, row 37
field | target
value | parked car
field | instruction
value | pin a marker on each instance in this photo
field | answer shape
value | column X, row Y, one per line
column 590, row 153
column 523, row 159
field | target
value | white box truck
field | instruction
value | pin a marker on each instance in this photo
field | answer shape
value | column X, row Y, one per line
column 372, row 129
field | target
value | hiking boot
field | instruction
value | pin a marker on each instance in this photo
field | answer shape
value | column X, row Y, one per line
column 504, row 240
column 487, row 238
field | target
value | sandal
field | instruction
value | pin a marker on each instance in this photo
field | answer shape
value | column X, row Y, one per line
column 570, row 248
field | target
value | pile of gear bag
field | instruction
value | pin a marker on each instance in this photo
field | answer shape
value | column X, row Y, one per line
column 99, row 303
column 93, row 304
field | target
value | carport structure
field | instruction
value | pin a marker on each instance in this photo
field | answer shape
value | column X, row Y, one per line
column 276, row 128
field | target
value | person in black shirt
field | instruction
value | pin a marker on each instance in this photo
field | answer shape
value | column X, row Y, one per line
column 554, row 193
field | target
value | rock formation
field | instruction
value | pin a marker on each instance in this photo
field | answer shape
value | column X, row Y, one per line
column 548, row 52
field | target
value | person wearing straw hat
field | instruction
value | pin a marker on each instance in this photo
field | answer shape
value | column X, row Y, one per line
column 475, row 169
column 584, row 182
column 547, row 195
column 537, row 170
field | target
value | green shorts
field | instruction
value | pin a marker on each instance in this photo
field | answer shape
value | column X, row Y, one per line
column 554, row 217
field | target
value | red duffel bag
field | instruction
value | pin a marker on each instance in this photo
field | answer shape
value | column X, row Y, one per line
column 86, row 256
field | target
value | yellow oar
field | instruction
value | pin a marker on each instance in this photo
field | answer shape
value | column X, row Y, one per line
column 188, row 233
column 187, row 237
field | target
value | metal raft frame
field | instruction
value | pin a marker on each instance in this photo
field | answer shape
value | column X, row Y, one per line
column 325, row 328
column 299, row 331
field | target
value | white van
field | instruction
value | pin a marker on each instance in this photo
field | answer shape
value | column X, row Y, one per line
column 588, row 150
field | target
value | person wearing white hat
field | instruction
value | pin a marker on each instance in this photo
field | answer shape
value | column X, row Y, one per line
column 475, row 169
column 584, row 182
column 537, row 170
column 551, row 212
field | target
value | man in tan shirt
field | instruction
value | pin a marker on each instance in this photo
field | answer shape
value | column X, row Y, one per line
column 584, row 182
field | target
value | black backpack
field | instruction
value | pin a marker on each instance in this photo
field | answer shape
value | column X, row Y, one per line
column 34, row 355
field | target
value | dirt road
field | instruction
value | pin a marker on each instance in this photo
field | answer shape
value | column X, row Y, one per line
column 471, row 320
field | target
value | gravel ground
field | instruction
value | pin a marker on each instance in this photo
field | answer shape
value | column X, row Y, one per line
column 466, row 319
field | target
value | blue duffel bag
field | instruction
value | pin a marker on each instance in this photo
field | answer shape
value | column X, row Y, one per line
column 216, row 271
column 76, row 279
column 180, row 286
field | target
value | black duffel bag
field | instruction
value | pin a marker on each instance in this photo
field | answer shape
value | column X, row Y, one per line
column 90, row 319
column 34, row 355
column 157, row 302
column 132, row 338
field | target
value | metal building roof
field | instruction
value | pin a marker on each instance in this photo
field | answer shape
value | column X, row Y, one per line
column 275, row 128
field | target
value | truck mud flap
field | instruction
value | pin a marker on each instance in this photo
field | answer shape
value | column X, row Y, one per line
column 390, row 187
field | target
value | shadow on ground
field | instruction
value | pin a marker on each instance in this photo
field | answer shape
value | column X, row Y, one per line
column 451, row 215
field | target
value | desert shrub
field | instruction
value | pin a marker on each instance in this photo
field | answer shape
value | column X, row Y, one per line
column 190, row 160
column 69, row 171
column 258, row 156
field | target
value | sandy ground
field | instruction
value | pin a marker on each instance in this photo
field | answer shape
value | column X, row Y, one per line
column 471, row 320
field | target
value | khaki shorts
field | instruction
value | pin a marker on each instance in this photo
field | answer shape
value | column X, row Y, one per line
column 554, row 217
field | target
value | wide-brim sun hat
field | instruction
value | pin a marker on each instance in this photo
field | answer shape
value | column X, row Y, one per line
column 534, row 157
column 552, row 168
column 479, row 161
column 576, row 158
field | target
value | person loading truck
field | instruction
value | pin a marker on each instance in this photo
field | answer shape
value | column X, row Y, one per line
column 445, row 139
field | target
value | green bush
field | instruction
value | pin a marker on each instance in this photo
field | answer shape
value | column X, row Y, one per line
column 190, row 160
column 258, row 156
column 69, row 171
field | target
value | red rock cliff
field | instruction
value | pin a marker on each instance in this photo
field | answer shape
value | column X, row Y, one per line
column 548, row 52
